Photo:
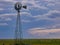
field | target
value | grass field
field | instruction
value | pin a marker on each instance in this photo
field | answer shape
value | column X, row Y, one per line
column 32, row 41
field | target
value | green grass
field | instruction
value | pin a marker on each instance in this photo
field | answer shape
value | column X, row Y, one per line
column 33, row 41
column 43, row 41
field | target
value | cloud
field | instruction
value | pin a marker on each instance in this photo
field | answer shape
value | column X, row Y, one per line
column 25, row 21
column 6, row 0
column 14, row 14
column 51, row 4
column 6, row 15
column 35, row 31
column 3, row 24
column 1, row 9
column 33, row 4
column 51, row 0
column 56, row 26
column 5, row 19
column 48, row 33
column 51, row 15
column 13, row 1
column 8, row 19
column 25, row 13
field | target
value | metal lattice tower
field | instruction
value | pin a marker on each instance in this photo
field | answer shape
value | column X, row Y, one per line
column 18, row 31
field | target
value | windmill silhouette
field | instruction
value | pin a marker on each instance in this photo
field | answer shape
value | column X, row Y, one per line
column 18, row 31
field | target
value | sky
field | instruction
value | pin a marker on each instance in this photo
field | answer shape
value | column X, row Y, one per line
column 40, row 20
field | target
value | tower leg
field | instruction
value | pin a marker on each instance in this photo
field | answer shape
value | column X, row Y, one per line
column 18, row 31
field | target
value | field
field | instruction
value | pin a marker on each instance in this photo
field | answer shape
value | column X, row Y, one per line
column 32, row 41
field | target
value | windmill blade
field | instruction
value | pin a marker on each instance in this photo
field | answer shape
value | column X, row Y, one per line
column 25, row 7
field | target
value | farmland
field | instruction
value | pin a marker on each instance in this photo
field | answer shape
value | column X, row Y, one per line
column 32, row 41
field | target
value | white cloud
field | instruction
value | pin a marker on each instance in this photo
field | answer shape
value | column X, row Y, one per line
column 14, row 14
column 45, row 16
column 4, row 15
column 8, row 0
column 13, row 1
column 3, row 24
column 33, row 4
column 56, row 20
column 8, row 19
column 39, row 31
column 25, row 13
column 51, row 4
column 56, row 26
column 5, row 19
column 25, row 21
column 51, row 0
column 1, row 9
column 27, row 2
column 39, row 7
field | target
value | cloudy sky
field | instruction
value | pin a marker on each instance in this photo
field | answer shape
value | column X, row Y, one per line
column 41, row 19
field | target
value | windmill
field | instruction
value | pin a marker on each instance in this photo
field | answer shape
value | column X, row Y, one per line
column 18, row 31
